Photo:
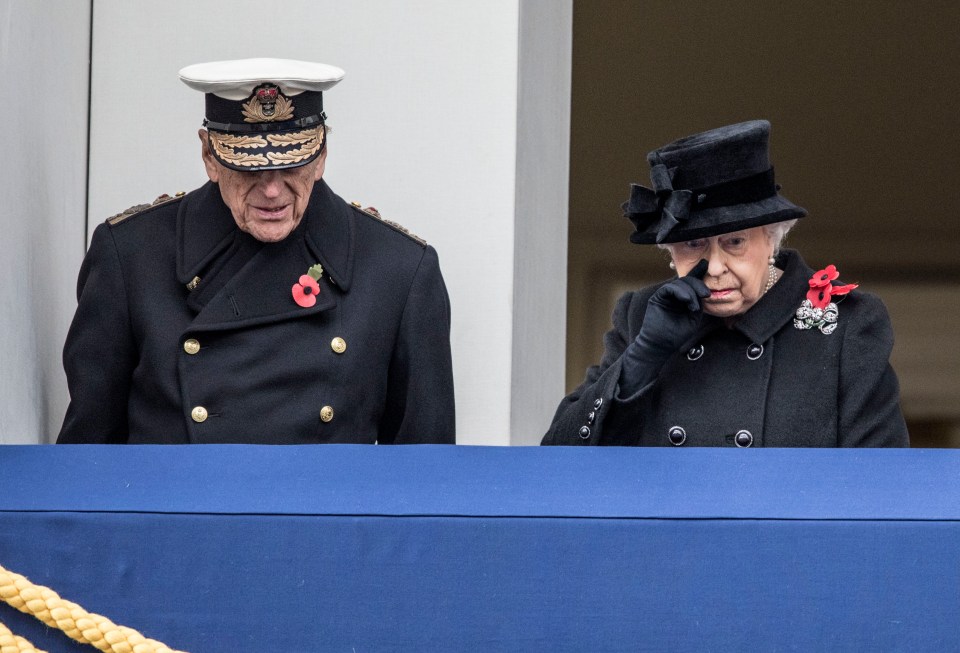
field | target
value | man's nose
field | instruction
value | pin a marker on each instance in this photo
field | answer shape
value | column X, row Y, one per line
column 270, row 183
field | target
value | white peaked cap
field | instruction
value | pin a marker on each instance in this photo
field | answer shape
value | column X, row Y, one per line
column 236, row 79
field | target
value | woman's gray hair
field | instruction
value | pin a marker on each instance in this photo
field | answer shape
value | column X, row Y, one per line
column 776, row 232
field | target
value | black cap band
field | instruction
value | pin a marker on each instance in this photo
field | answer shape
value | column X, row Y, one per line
column 253, row 127
column 221, row 111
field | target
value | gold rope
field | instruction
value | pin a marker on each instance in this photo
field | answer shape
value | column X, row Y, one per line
column 10, row 643
column 75, row 622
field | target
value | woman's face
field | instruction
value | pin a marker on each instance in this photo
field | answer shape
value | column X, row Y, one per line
column 738, row 270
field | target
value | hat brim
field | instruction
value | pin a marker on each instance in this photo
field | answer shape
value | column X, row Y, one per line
column 724, row 219
column 275, row 150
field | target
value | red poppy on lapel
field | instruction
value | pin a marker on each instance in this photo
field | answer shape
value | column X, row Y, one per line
column 822, row 290
column 305, row 291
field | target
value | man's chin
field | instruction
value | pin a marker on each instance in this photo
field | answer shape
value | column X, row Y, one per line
column 270, row 231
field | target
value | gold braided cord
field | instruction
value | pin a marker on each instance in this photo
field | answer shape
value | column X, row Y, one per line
column 10, row 643
column 75, row 622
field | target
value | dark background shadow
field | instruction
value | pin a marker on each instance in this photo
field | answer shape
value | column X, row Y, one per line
column 863, row 99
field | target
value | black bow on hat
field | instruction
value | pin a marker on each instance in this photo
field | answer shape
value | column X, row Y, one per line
column 664, row 202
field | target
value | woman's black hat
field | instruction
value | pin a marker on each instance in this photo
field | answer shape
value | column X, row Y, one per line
column 707, row 184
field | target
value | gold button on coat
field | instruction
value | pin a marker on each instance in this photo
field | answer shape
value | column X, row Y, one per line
column 199, row 414
column 326, row 414
column 191, row 346
column 339, row 345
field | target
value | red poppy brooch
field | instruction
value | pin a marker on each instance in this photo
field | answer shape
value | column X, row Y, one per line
column 818, row 309
column 307, row 288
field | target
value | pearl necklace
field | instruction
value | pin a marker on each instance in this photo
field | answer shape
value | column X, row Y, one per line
column 772, row 278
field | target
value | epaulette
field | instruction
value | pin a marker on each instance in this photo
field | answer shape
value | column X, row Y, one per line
column 375, row 214
column 133, row 210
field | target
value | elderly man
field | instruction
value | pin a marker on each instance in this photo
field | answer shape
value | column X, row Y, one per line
column 261, row 307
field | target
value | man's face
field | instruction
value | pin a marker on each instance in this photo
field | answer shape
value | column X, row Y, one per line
column 267, row 204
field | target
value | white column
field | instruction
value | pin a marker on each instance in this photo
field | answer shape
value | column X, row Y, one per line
column 44, row 50
column 453, row 120
column 540, row 225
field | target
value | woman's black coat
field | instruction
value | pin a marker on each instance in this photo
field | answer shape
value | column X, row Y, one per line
column 762, row 382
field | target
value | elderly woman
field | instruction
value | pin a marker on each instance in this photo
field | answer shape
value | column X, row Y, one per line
column 748, row 346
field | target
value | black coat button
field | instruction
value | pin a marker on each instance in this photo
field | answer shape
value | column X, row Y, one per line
column 598, row 403
column 591, row 416
column 695, row 353
column 585, row 432
column 743, row 439
column 754, row 351
column 677, row 435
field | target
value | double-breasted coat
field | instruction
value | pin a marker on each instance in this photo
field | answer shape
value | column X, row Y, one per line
column 762, row 382
column 187, row 331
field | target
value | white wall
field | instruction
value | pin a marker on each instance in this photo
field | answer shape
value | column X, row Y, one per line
column 540, row 225
column 452, row 120
column 43, row 67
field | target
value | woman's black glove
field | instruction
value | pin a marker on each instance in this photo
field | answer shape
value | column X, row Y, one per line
column 673, row 316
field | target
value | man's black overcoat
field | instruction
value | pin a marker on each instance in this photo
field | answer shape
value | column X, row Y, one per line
column 236, row 359
column 763, row 382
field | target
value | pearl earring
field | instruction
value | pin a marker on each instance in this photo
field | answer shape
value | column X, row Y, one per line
column 672, row 265
column 771, row 260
